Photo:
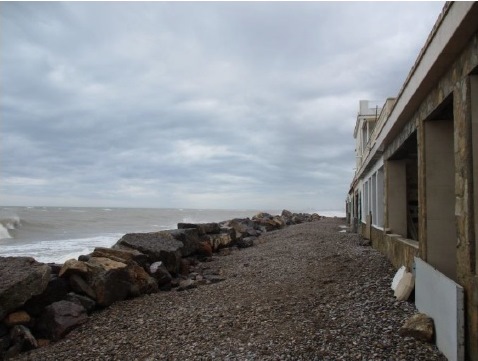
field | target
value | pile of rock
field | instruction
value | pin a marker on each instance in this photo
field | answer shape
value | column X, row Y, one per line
column 40, row 303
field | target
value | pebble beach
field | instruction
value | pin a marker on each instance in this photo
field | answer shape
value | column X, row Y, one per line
column 306, row 292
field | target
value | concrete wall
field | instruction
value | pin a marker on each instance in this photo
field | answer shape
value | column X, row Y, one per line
column 440, row 196
column 399, row 250
column 396, row 189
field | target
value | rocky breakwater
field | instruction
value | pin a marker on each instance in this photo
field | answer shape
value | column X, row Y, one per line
column 41, row 303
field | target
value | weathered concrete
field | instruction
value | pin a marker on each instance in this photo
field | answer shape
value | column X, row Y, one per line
column 400, row 251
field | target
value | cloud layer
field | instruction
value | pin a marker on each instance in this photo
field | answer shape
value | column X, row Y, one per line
column 198, row 105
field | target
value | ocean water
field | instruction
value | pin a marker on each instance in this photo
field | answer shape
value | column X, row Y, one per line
column 52, row 234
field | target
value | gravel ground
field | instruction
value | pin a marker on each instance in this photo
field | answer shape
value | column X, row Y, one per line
column 307, row 292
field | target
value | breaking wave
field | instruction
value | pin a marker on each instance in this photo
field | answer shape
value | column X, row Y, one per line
column 58, row 251
column 7, row 225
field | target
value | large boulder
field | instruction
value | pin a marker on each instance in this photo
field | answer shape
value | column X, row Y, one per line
column 158, row 246
column 261, row 215
column 244, row 227
column 419, row 326
column 110, row 280
column 203, row 228
column 5, row 343
column 81, row 286
column 218, row 241
column 246, row 242
column 286, row 214
column 60, row 318
column 20, row 279
column 204, row 250
column 22, row 340
column 17, row 318
column 189, row 238
column 269, row 222
column 141, row 282
column 114, row 281
column 56, row 290
column 405, row 286
column 161, row 274
column 73, row 266
column 121, row 255
column 84, row 301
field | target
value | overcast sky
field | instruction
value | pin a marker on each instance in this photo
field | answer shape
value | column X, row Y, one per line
column 194, row 105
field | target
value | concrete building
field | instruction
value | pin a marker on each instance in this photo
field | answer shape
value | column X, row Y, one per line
column 415, row 190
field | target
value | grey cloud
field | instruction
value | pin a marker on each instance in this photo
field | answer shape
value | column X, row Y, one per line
column 194, row 104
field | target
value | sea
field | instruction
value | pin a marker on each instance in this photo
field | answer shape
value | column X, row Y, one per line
column 56, row 234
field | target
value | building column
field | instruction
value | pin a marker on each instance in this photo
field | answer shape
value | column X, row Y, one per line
column 463, row 106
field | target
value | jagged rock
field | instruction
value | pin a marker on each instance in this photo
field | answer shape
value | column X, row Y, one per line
column 110, row 280
column 56, row 290
column 157, row 246
column 269, row 222
column 114, row 281
column 55, row 268
column 245, row 242
column 79, row 285
column 204, row 249
column 84, row 301
column 17, row 318
column 203, row 228
column 141, row 282
column 189, row 238
column 218, row 240
column 3, row 329
column 184, row 267
column 161, row 274
column 5, row 343
column 405, row 286
column 286, row 214
column 262, row 215
column 243, row 227
column 186, row 285
column 398, row 276
column 230, row 231
column 72, row 266
column 315, row 217
column 103, row 263
column 60, row 318
column 419, row 326
column 121, row 255
column 296, row 219
column 20, row 279
column 255, row 232
column 22, row 340
column 84, row 258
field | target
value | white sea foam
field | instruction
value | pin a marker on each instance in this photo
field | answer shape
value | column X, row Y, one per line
column 13, row 222
column 4, row 234
column 7, row 224
column 58, row 251
column 331, row 213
